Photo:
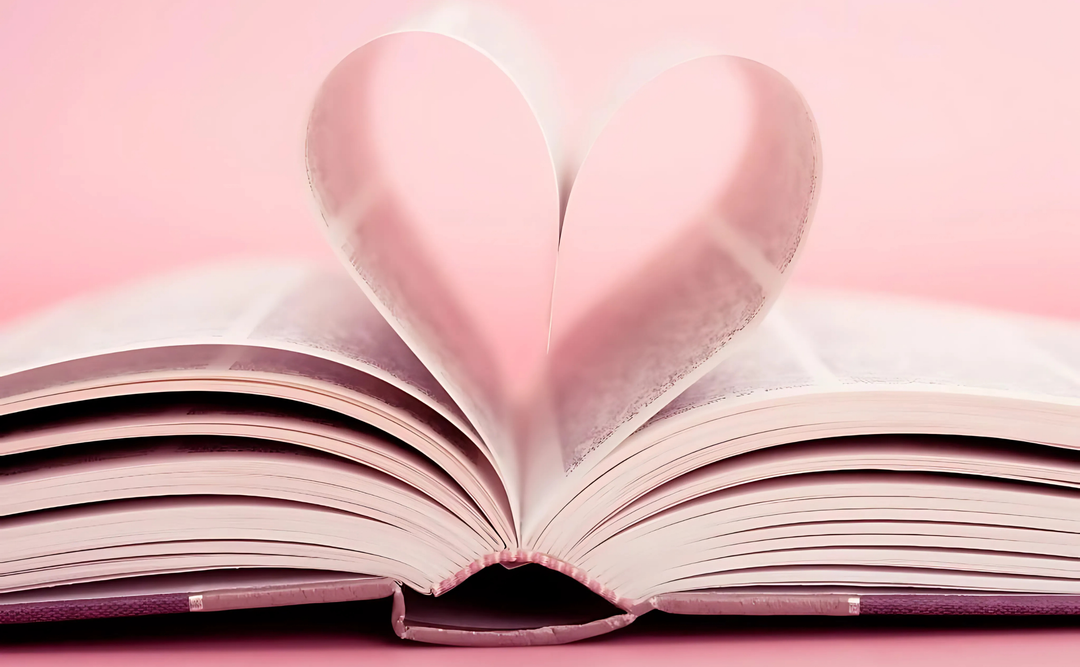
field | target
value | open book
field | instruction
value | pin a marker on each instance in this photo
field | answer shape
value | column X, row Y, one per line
column 604, row 382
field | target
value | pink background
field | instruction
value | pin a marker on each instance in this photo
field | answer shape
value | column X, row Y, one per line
column 144, row 135
column 956, row 648
column 138, row 136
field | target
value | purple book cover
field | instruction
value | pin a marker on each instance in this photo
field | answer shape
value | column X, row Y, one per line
column 220, row 591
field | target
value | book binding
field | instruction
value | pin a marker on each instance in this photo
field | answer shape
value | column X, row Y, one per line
column 706, row 602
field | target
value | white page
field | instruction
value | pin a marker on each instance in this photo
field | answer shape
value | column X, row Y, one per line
column 213, row 304
column 233, row 466
column 274, row 323
column 660, row 277
column 829, row 365
column 741, row 516
column 148, row 536
column 432, row 165
column 942, row 454
column 326, row 313
column 656, row 278
column 395, row 444
column 829, row 341
column 868, row 340
column 282, row 305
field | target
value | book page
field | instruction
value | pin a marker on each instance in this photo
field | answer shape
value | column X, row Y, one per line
column 822, row 342
column 847, row 520
column 826, row 365
column 212, row 304
column 255, row 328
column 229, row 378
column 665, row 262
column 668, row 261
column 435, row 178
column 160, row 535
column 293, row 307
column 384, row 487
column 326, row 315
column 866, row 340
column 451, row 223
column 940, row 457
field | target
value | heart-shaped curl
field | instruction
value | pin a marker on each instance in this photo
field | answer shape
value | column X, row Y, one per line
column 680, row 229
column 438, row 187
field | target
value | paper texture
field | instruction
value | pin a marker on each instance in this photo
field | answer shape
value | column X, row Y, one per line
column 822, row 343
column 531, row 360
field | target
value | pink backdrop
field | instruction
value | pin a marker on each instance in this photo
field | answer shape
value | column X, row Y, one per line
column 802, row 649
column 143, row 135
column 138, row 136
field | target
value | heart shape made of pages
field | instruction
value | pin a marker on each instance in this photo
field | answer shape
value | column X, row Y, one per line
column 574, row 322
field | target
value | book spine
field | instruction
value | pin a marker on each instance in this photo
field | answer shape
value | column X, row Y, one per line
column 524, row 556
column 70, row 610
column 970, row 605
column 835, row 604
column 719, row 603
column 367, row 588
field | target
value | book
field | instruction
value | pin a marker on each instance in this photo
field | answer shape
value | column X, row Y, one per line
column 528, row 414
